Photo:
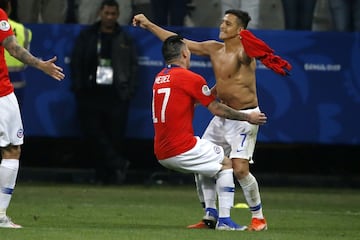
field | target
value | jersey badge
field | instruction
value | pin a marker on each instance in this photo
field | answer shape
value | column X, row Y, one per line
column 4, row 25
column 205, row 90
column 20, row 133
column 217, row 149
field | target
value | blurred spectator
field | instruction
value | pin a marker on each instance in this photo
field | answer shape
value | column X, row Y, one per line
column 170, row 13
column 16, row 68
column 345, row 15
column 71, row 13
column 252, row 7
column 322, row 21
column 103, row 72
column 88, row 11
column 142, row 6
column 298, row 14
column 42, row 11
column 260, row 10
column 13, row 14
column 230, row 4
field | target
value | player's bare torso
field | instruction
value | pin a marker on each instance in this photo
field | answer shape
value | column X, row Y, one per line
column 235, row 78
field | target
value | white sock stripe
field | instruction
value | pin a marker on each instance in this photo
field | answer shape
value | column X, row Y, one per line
column 6, row 190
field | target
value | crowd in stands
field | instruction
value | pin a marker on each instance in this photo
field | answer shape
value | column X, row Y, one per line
column 337, row 15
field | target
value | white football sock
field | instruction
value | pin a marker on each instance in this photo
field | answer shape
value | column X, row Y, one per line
column 199, row 190
column 208, row 191
column 8, row 173
column 226, row 189
column 250, row 188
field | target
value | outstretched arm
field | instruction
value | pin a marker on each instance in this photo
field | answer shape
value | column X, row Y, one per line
column 225, row 111
column 11, row 45
column 202, row 48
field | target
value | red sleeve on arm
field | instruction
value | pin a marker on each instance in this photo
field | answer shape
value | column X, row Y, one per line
column 255, row 47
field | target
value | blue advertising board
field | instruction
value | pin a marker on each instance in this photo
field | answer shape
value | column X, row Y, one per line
column 318, row 103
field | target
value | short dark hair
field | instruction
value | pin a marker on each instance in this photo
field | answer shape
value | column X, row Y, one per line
column 243, row 16
column 171, row 48
column 111, row 3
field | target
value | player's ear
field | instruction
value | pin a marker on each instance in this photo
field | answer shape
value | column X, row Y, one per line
column 184, row 53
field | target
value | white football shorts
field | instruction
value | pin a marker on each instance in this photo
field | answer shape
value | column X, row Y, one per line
column 204, row 158
column 11, row 127
column 238, row 138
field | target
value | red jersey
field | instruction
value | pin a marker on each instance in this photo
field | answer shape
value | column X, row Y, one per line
column 175, row 92
column 5, row 31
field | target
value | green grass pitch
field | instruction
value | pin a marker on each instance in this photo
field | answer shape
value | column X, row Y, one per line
column 137, row 212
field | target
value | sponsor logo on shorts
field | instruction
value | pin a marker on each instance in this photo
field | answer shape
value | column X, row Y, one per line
column 20, row 133
column 217, row 149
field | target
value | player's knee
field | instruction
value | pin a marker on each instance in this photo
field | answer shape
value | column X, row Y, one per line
column 11, row 152
column 241, row 168
column 227, row 163
column 240, row 173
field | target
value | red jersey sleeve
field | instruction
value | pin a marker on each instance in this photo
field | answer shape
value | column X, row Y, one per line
column 5, row 28
column 5, row 31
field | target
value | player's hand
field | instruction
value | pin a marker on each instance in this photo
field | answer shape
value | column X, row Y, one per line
column 50, row 68
column 257, row 118
column 140, row 20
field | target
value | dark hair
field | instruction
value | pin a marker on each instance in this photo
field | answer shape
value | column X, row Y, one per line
column 111, row 3
column 4, row 4
column 243, row 16
column 171, row 48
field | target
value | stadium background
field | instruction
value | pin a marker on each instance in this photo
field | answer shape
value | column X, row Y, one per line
column 312, row 136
